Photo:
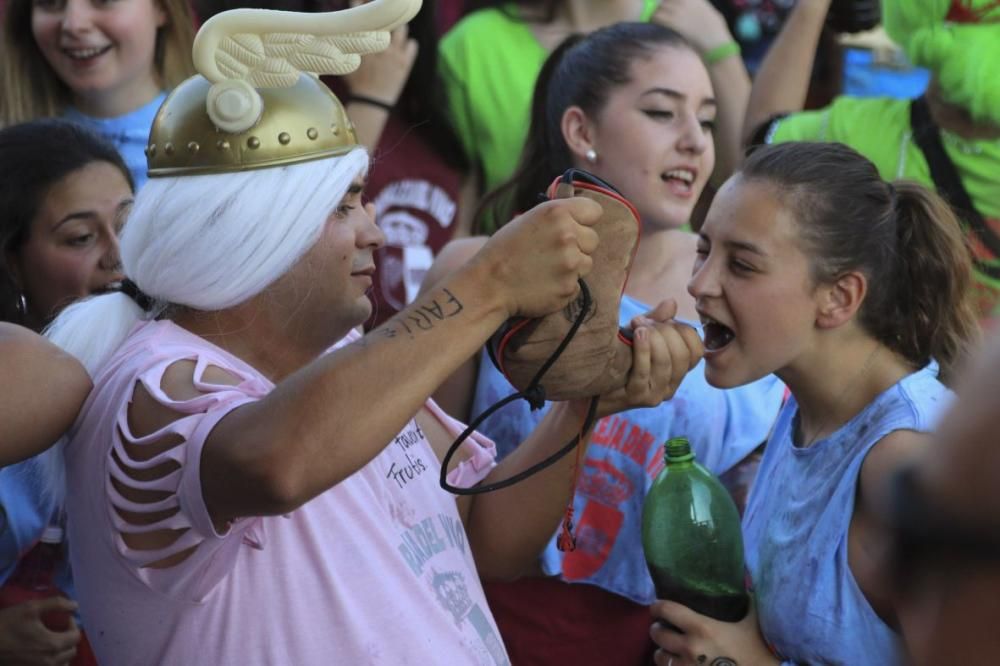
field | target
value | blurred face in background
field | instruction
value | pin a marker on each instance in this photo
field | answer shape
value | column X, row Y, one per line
column 71, row 250
column 103, row 50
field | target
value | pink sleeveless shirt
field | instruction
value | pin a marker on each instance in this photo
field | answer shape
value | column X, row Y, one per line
column 376, row 570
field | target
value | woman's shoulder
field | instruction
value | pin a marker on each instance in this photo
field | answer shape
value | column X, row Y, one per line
column 914, row 403
column 481, row 33
column 926, row 396
column 848, row 120
column 474, row 24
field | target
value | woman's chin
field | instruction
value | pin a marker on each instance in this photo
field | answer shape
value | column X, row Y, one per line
column 669, row 217
column 719, row 379
column 721, row 374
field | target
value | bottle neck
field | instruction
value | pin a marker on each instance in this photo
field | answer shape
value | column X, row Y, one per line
column 677, row 451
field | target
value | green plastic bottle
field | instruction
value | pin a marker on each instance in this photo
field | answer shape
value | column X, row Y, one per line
column 692, row 538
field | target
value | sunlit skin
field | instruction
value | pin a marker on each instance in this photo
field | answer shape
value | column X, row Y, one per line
column 332, row 281
column 659, row 122
column 652, row 140
column 72, row 247
column 103, row 50
column 764, row 312
column 51, row 387
column 752, row 277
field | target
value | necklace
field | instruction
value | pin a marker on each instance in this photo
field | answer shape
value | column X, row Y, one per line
column 852, row 384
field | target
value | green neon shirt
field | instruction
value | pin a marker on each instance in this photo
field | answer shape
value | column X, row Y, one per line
column 489, row 63
column 879, row 128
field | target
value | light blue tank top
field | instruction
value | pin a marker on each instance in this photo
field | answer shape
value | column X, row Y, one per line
column 23, row 517
column 129, row 133
column 625, row 455
column 810, row 607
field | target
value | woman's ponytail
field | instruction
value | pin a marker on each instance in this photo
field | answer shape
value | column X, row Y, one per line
column 903, row 237
column 934, row 314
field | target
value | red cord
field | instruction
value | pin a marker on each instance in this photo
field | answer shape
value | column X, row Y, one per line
column 566, row 541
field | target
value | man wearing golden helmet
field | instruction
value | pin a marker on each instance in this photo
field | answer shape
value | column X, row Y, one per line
column 237, row 496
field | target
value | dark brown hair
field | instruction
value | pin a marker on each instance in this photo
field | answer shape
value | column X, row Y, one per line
column 34, row 157
column 904, row 238
column 583, row 71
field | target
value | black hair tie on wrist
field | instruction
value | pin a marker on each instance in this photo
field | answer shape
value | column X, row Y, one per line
column 370, row 101
column 131, row 289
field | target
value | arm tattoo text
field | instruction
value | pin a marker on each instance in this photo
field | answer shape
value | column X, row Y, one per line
column 423, row 317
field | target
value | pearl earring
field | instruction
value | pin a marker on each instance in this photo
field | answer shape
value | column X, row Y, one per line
column 591, row 155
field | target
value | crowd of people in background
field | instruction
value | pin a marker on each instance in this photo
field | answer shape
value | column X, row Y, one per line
column 216, row 391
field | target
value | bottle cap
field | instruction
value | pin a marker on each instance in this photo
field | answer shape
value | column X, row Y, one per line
column 52, row 534
column 678, row 449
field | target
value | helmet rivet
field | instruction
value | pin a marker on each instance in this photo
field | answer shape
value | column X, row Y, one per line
column 222, row 144
column 253, row 143
column 193, row 147
column 284, row 138
column 168, row 148
column 151, row 150
column 312, row 133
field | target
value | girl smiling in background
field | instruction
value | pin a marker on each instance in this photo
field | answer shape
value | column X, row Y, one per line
column 105, row 64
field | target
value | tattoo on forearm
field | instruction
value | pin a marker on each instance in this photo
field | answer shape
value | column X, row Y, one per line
column 423, row 317
column 723, row 661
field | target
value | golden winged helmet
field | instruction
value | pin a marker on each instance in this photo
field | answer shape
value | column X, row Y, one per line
column 258, row 101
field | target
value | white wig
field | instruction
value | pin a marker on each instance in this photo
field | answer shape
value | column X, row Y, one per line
column 207, row 242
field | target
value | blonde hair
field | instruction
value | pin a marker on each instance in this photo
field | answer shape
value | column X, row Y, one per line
column 31, row 89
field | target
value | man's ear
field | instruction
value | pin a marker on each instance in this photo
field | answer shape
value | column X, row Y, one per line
column 840, row 300
column 578, row 132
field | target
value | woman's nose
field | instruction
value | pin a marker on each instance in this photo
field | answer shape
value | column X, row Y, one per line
column 703, row 281
column 76, row 16
column 111, row 260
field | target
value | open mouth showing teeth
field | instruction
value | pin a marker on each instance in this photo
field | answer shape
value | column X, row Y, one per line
column 109, row 288
column 86, row 54
column 717, row 336
column 685, row 176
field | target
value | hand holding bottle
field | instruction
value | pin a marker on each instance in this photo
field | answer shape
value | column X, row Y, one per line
column 705, row 641
column 26, row 640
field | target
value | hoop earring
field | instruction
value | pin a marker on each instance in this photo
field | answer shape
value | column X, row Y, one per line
column 591, row 155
